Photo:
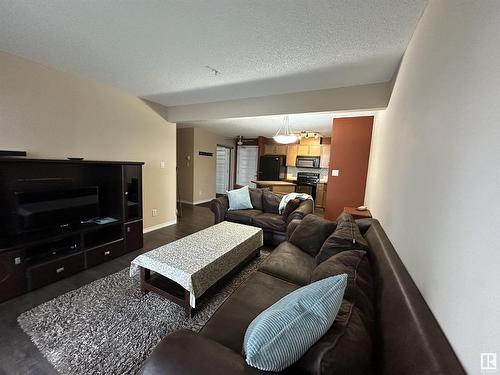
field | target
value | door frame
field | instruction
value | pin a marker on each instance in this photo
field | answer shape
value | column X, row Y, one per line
column 229, row 169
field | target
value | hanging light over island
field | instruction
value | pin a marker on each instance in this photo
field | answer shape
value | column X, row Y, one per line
column 284, row 134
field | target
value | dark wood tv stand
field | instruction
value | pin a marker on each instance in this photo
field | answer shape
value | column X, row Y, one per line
column 32, row 260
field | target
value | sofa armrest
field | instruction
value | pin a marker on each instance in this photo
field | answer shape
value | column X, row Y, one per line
column 291, row 227
column 306, row 207
column 219, row 207
column 185, row 352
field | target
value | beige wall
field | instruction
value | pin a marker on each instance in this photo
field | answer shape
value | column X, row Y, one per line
column 197, row 181
column 55, row 115
column 434, row 179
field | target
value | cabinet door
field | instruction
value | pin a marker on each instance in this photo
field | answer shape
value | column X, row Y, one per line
column 12, row 274
column 320, row 195
column 291, row 155
column 303, row 150
column 314, row 150
column 324, row 160
column 133, row 236
column 55, row 270
column 133, row 192
column 270, row 150
column 281, row 150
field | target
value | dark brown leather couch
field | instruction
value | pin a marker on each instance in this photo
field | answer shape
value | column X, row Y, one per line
column 407, row 338
column 263, row 215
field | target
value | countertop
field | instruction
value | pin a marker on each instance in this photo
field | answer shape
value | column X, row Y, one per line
column 273, row 183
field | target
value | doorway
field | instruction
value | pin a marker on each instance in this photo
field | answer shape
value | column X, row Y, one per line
column 247, row 161
column 223, row 169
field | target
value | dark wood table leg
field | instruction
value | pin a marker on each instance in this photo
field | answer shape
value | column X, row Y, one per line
column 187, row 305
column 145, row 277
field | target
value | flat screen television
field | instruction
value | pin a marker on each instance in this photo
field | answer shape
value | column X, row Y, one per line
column 54, row 208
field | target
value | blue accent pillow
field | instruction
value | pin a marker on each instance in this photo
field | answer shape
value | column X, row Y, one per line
column 239, row 199
column 282, row 333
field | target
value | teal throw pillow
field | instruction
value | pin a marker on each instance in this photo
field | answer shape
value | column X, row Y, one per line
column 282, row 333
column 239, row 199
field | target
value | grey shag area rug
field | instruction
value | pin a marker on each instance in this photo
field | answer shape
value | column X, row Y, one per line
column 109, row 327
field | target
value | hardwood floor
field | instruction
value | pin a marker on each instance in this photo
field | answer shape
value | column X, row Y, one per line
column 18, row 355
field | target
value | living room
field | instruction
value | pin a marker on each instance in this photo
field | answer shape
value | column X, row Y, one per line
column 109, row 263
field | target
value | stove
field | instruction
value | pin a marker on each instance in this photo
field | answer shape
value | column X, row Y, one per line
column 307, row 183
column 307, row 178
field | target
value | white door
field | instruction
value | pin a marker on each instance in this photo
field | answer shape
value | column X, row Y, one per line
column 223, row 169
column 247, row 165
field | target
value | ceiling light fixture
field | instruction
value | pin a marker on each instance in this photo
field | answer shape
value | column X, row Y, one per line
column 284, row 134
column 309, row 134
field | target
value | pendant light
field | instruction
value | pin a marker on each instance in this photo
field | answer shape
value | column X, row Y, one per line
column 284, row 135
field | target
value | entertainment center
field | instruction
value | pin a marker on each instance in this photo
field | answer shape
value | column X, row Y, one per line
column 59, row 217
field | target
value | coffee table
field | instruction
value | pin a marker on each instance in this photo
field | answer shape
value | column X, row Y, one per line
column 185, row 269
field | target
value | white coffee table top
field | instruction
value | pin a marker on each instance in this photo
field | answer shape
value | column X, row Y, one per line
column 199, row 260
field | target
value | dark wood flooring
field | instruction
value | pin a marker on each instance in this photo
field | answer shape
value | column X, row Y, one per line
column 18, row 355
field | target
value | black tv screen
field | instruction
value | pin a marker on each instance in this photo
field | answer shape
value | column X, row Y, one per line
column 62, row 207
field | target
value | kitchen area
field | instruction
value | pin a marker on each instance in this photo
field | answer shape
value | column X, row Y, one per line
column 300, row 167
column 328, row 160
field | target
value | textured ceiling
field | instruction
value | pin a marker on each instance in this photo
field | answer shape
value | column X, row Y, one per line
column 160, row 49
column 267, row 126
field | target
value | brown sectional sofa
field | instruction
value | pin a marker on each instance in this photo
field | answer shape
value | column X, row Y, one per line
column 264, row 214
column 406, row 338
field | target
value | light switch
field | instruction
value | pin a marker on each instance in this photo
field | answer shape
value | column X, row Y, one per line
column 335, row 172
column 162, row 164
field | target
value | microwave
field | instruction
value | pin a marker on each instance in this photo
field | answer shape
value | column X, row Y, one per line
column 307, row 162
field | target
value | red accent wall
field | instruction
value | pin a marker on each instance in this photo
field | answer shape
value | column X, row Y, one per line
column 350, row 152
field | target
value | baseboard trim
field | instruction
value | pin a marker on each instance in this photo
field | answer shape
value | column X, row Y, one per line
column 159, row 226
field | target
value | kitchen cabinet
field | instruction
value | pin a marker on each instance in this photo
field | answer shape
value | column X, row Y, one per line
column 308, row 150
column 320, row 195
column 324, row 160
column 273, row 149
column 314, row 150
column 291, row 155
column 303, row 150
column 310, row 141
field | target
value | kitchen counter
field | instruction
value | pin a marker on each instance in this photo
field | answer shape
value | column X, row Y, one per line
column 277, row 186
column 273, row 183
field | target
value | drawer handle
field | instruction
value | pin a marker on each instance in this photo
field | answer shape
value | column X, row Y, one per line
column 107, row 252
column 59, row 270
column 128, row 229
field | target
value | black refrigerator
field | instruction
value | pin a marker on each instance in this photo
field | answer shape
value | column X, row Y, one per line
column 272, row 168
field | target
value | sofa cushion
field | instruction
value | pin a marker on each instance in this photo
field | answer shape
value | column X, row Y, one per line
column 256, row 197
column 289, row 263
column 360, row 287
column 311, row 233
column 239, row 199
column 291, row 206
column 270, row 221
column 345, row 237
column 282, row 333
column 346, row 348
column 242, row 216
column 229, row 323
column 271, row 202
